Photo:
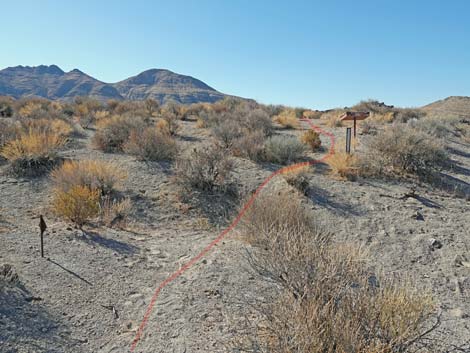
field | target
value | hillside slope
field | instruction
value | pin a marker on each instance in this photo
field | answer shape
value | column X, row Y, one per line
column 451, row 106
column 51, row 82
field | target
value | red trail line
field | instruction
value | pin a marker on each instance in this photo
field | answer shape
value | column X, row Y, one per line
column 227, row 230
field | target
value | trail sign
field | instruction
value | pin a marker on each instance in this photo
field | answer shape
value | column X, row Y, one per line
column 354, row 116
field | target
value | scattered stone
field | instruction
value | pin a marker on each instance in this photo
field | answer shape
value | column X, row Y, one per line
column 435, row 244
column 418, row 216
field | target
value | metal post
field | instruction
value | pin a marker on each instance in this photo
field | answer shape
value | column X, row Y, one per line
column 42, row 245
column 354, row 126
column 348, row 140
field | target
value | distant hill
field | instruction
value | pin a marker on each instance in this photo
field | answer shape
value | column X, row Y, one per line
column 449, row 107
column 165, row 85
column 53, row 83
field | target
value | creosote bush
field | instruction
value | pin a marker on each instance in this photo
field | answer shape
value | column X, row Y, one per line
column 401, row 150
column 79, row 204
column 312, row 139
column 328, row 300
column 282, row 149
column 151, row 145
column 204, row 168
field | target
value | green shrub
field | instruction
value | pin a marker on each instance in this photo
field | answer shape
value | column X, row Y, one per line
column 284, row 149
column 151, row 145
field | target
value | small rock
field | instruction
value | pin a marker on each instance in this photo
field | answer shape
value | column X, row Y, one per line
column 418, row 216
column 435, row 244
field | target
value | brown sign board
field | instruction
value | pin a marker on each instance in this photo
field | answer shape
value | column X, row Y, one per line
column 354, row 116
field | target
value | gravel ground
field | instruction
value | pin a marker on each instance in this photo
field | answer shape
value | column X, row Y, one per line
column 64, row 302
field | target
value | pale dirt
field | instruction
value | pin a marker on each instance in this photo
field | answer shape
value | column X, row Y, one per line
column 195, row 313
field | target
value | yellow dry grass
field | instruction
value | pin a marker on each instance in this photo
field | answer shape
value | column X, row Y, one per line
column 343, row 165
column 100, row 175
column 312, row 139
column 33, row 144
column 78, row 204
column 287, row 119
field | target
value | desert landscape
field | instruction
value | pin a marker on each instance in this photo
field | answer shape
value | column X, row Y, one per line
column 212, row 223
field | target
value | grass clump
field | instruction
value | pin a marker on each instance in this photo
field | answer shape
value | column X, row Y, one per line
column 343, row 165
column 312, row 139
column 284, row 150
column 79, row 204
column 151, row 145
column 32, row 153
column 287, row 119
column 83, row 190
column 96, row 175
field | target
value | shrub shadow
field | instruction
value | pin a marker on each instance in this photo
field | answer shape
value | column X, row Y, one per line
column 323, row 199
column 27, row 326
column 112, row 244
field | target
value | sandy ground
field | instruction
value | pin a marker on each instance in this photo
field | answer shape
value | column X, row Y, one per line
column 64, row 302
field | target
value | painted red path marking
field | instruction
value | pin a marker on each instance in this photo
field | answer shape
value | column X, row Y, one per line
column 227, row 230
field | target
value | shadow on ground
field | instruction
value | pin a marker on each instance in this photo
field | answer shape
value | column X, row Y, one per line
column 324, row 199
column 26, row 326
column 120, row 247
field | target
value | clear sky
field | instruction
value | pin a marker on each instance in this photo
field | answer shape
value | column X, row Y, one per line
column 317, row 54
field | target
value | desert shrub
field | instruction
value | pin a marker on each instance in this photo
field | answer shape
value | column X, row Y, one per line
column 32, row 153
column 283, row 149
column 152, row 106
column 54, row 126
column 227, row 132
column 257, row 120
column 79, row 204
column 203, row 169
column 298, row 178
column 343, row 165
column 373, row 106
column 287, row 119
column 403, row 150
column 6, row 107
column 437, row 126
column 312, row 139
column 329, row 301
column 250, row 145
column 114, row 212
column 332, row 117
column 8, row 131
column 403, row 115
column 151, row 145
column 113, row 133
column 312, row 114
column 95, row 175
column 168, row 125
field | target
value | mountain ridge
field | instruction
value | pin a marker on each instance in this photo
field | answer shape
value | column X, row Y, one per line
column 51, row 82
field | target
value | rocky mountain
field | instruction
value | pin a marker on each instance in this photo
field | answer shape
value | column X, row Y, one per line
column 451, row 106
column 165, row 85
column 53, row 83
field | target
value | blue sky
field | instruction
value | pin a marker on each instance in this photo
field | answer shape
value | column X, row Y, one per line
column 317, row 54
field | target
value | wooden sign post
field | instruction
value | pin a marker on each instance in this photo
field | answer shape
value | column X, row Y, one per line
column 354, row 116
column 42, row 228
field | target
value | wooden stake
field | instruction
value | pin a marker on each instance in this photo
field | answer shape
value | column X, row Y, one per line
column 42, row 228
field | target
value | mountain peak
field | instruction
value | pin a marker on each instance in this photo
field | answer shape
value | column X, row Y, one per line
column 52, row 83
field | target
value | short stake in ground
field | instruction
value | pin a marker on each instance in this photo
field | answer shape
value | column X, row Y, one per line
column 42, row 228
